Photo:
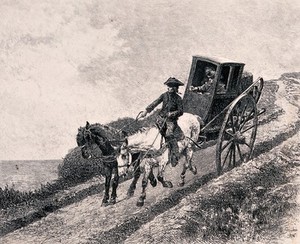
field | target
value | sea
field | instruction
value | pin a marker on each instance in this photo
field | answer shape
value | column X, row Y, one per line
column 26, row 175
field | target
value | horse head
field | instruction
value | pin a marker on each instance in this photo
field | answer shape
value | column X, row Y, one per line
column 86, row 141
column 93, row 138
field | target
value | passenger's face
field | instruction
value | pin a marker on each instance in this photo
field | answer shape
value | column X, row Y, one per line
column 209, row 73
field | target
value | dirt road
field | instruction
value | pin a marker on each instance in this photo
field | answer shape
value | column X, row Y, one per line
column 64, row 224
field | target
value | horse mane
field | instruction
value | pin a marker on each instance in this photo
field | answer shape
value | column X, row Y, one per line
column 99, row 130
column 79, row 137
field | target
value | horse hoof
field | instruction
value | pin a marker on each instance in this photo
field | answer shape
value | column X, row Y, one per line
column 168, row 184
column 174, row 162
column 140, row 202
column 194, row 170
column 112, row 201
column 181, row 184
column 153, row 183
column 130, row 194
column 104, row 204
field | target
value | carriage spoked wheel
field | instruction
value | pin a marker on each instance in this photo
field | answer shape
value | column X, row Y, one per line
column 237, row 135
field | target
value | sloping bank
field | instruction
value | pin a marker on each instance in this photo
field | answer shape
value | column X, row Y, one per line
column 270, row 136
column 250, row 179
column 257, row 202
column 244, row 205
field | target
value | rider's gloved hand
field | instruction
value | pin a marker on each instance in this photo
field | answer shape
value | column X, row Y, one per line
column 192, row 88
column 195, row 89
column 143, row 114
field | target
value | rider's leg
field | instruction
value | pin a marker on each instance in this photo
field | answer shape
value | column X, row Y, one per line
column 161, row 125
column 172, row 143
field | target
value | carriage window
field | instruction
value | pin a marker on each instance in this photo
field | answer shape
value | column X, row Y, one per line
column 223, row 81
column 235, row 76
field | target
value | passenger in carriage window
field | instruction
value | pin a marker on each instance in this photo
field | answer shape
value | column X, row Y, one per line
column 207, row 82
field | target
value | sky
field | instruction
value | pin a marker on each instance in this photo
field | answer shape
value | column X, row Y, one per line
column 66, row 62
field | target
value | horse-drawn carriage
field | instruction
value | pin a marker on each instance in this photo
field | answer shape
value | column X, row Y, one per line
column 228, row 114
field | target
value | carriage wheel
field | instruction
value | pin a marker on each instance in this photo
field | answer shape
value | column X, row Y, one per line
column 237, row 135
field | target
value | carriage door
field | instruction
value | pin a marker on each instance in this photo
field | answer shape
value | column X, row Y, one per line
column 197, row 103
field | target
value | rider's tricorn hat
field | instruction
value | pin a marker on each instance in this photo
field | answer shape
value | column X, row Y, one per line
column 173, row 82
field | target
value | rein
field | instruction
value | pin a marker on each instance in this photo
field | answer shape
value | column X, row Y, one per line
column 105, row 159
column 118, row 131
column 136, row 119
column 109, row 159
column 113, row 158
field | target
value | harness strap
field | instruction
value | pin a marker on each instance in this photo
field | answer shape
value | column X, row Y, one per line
column 107, row 159
column 122, row 166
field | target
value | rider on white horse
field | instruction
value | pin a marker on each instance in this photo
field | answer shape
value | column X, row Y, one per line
column 166, row 121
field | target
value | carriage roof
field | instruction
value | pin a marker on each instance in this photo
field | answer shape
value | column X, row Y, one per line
column 216, row 60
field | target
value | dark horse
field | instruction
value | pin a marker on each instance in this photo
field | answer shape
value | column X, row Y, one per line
column 94, row 143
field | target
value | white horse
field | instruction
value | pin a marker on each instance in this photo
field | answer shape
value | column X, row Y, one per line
column 148, row 142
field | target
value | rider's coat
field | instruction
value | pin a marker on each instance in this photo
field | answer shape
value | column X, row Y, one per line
column 172, row 107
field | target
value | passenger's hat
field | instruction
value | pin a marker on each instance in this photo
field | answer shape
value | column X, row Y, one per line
column 173, row 82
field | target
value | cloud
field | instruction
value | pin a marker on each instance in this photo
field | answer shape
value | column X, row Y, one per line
column 65, row 62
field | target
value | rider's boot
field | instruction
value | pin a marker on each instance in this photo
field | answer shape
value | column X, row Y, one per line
column 173, row 151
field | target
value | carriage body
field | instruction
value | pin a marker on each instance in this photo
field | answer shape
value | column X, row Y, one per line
column 228, row 110
column 229, row 75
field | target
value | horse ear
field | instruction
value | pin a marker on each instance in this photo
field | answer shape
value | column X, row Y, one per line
column 87, row 124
